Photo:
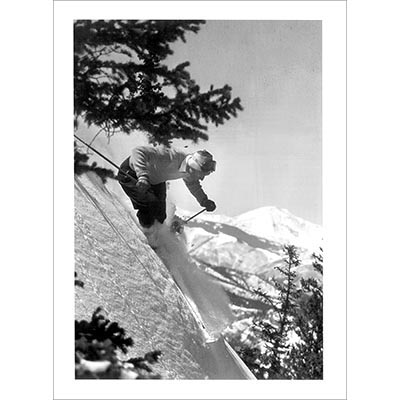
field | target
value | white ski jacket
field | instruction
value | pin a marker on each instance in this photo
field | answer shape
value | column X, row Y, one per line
column 159, row 164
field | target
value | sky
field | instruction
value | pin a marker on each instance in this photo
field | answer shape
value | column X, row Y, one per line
column 271, row 154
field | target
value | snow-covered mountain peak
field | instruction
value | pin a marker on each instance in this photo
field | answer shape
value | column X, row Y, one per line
column 252, row 241
column 269, row 222
column 280, row 225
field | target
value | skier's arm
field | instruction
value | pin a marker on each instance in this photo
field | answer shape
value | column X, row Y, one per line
column 140, row 159
column 196, row 190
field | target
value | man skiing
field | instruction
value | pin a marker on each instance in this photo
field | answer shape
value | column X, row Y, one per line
column 150, row 167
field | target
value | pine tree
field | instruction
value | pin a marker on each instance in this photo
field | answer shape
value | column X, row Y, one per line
column 81, row 166
column 122, row 85
column 296, row 309
column 275, row 333
column 98, row 343
column 307, row 356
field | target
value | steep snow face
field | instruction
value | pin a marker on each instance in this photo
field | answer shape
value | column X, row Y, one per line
column 123, row 275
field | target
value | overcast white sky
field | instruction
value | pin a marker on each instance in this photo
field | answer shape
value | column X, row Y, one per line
column 272, row 153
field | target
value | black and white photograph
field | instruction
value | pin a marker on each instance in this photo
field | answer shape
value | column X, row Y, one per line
column 198, row 202
column 218, row 260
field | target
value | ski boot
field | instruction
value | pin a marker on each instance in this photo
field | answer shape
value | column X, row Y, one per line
column 177, row 225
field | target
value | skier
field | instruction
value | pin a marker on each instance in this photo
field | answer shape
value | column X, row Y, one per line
column 150, row 168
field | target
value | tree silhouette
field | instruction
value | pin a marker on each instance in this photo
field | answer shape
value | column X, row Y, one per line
column 99, row 346
column 121, row 84
column 81, row 166
column 295, row 310
column 307, row 356
column 285, row 306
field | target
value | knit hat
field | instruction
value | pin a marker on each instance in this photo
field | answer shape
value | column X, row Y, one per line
column 202, row 160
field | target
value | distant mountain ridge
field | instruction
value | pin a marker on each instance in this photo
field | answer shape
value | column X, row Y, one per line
column 251, row 242
column 242, row 252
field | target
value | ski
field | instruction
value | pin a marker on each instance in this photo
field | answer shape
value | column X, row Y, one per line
column 208, row 338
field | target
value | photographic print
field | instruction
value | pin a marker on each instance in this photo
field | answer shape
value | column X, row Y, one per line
column 198, row 204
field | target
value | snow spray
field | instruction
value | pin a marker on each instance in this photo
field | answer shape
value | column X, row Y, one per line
column 205, row 296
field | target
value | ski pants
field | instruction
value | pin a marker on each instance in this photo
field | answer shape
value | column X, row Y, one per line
column 151, row 205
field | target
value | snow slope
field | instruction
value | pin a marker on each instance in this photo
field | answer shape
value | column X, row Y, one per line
column 123, row 275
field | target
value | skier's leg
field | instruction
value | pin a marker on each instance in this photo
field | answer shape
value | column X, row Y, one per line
column 160, row 205
column 146, row 217
column 147, row 220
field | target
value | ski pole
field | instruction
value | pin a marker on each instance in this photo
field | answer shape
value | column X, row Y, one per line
column 195, row 215
column 177, row 226
column 107, row 159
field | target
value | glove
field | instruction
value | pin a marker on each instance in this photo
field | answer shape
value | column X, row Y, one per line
column 126, row 180
column 209, row 205
column 129, row 183
column 143, row 186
